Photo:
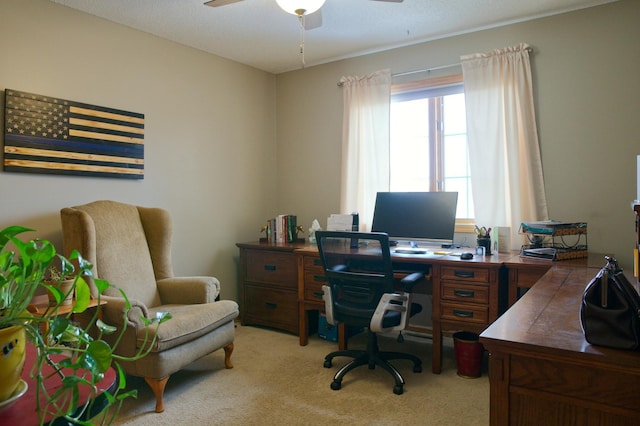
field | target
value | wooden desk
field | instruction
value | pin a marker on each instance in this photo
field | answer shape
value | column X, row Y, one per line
column 543, row 372
column 281, row 287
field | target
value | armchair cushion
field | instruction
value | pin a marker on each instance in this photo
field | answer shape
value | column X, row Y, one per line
column 188, row 322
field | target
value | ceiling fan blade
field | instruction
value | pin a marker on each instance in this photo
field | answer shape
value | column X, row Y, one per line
column 216, row 3
column 313, row 20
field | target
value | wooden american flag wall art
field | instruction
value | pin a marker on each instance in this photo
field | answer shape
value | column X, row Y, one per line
column 56, row 136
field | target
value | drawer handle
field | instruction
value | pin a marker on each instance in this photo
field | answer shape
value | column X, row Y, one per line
column 463, row 314
column 269, row 267
column 271, row 305
column 463, row 293
column 464, row 274
column 319, row 278
column 318, row 294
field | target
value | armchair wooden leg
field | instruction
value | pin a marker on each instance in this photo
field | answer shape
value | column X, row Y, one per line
column 157, row 386
column 227, row 355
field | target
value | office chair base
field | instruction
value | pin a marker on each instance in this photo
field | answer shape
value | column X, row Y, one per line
column 372, row 357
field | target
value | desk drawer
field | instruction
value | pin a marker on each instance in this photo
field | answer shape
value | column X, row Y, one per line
column 275, row 268
column 312, row 263
column 271, row 307
column 465, row 293
column 313, row 283
column 476, row 314
column 462, row 273
column 314, row 278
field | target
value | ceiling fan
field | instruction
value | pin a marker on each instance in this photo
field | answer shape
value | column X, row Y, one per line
column 307, row 10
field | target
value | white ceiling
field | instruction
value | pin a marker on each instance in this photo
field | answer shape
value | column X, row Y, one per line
column 258, row 33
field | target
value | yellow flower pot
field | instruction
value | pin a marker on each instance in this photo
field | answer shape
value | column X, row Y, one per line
column 12, row 347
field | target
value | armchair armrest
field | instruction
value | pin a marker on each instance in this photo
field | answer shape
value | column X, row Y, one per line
column 188, row 290
column 113, row 313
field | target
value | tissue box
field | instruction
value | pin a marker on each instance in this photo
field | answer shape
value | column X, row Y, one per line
column 329, row 332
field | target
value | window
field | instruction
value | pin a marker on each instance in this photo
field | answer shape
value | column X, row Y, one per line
column 428, row 145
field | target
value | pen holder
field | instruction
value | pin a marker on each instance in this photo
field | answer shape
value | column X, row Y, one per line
column 486, row 243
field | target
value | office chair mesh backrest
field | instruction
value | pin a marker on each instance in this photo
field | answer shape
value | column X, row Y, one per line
column 359, row 272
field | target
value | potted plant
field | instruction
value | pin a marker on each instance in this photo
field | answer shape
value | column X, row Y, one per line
column 77, row 356
column 58, row 281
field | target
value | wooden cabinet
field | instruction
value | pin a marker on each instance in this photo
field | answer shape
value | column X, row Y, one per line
column 466, row 296
column 311, row 278
column 269, row 285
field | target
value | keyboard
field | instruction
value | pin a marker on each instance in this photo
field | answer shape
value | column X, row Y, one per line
column 410, row 251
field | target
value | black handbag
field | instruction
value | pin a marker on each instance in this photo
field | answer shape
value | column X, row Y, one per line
column 610, row 310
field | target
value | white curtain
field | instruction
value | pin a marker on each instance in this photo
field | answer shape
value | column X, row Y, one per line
column 506, row 168
column 365, row 143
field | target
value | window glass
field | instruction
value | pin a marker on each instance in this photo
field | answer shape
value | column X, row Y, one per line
column 429, row 150
column 409, row 150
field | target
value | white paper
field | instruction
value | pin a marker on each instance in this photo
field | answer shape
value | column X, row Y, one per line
column 339, row 222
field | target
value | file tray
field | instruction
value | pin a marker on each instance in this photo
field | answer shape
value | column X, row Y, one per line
column 555, row 253
column 553, row 228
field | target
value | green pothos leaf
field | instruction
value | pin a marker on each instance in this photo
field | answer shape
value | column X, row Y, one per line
column 98, row 356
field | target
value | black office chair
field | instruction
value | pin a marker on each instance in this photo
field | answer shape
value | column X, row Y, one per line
column 360, row 293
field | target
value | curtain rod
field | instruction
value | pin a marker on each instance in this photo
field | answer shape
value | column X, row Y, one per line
column 340, row 84
column 441, row 67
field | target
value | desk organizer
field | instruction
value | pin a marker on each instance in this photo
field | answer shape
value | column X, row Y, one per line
column 554, row 240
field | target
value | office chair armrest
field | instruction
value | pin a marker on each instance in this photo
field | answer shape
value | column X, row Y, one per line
column 328, row 304
column 398, row 302
column 410, row 280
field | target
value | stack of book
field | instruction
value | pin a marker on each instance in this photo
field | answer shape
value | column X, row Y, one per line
column 282, row 229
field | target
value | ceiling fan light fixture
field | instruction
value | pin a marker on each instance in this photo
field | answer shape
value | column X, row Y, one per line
column 300, row 7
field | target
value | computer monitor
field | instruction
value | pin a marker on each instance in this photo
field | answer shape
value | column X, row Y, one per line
column 416, row 216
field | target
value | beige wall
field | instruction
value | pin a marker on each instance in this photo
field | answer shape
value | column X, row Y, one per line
column 587, row 87
column 209, row 130
column 212, row 155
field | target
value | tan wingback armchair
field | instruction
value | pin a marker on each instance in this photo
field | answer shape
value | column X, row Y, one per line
column 130, row 246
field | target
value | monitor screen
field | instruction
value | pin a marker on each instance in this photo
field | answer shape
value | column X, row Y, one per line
column 416, row 216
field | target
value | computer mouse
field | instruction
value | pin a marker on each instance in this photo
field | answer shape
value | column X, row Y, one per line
column 466, row 255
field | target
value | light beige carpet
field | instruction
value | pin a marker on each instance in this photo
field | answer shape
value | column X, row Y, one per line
column 277, row 382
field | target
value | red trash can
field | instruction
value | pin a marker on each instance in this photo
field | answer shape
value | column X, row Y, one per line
column 469, row 352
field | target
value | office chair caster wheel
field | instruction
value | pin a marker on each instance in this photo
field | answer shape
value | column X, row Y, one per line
column 336, row 385
column 327, row 363
column 397, row 389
